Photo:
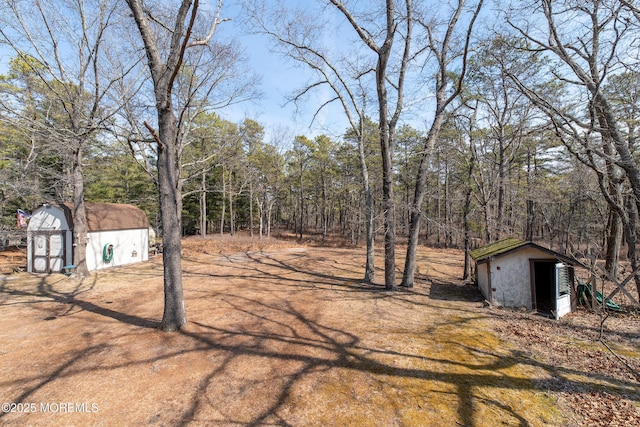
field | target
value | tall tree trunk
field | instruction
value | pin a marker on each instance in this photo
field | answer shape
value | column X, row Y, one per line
column 250, row 206
column 501, row 180
column 614, row 241
column 369, row 269
column 170, row 191
column 203, row 205
column 486, row 210
column 442, row 101
column 386, row 149
column 324, row 216
column 408, row 276
column 466, row 275
column 388, row 205
column 164, row 71
column 530, row 221
column 301, row 201
column 465, row 218
column 387, row 123
column 447, row 206
column 79, row 216
column 631, row 233
column 268, row 217
column 224, row 201
column 232, row 222
column 261, row 209
column 631, row 170
column 528, row 233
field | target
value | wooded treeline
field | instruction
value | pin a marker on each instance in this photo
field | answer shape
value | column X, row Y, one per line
column 529, row 187
column 467, row 122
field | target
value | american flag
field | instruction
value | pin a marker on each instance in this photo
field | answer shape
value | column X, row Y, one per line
column 23, row 218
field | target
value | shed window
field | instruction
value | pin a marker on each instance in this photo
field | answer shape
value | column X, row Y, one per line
column 562, row 279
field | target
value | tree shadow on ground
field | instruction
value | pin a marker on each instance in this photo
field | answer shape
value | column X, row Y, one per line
column 294, row 344
column 454, row 291
column 47, row 291
column 317, row 348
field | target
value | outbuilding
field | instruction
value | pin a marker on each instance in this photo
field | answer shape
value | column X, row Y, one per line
column 516, row 273
column 118, row 234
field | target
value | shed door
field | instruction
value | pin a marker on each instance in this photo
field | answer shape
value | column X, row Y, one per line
column 563, row 290
column 544, row 286
column 48, row 252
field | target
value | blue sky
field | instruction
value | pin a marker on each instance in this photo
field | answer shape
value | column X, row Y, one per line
column 280, row 78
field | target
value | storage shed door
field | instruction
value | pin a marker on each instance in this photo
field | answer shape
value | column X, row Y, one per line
column 48, row 252
column 563, row 290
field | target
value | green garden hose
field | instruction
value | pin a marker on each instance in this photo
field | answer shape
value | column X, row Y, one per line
column 107, row 252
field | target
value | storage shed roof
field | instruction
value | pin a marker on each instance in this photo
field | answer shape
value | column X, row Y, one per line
column 496, row 248
column 506, row 246
column 110, row 216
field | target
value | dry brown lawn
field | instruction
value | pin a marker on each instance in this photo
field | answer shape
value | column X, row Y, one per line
column 286, row 334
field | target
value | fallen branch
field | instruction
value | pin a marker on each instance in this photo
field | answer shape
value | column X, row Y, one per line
column 624, row 362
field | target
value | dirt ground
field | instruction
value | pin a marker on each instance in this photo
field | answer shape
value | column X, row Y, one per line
column 282, row 333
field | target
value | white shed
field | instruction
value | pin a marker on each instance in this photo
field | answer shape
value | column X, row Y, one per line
column 515, row 273
column 118, row 234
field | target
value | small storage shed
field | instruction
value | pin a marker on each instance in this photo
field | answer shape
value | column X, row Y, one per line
column 516, row 273
column 118, row 234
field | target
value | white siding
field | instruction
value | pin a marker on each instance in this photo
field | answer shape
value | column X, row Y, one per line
column 129, row 246
column 483, row 279
column 507, row 280
column 511, row 277
column 511, row 280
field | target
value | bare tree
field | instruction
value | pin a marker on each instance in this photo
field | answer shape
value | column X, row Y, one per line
column 446, row 49
column 63, row 45
column 583, row 57
column 506, row 113
column 387, row 120
column 298, row 39
column 212, row 143
column 166, row 38
column 268, row 169
column 466, row 123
